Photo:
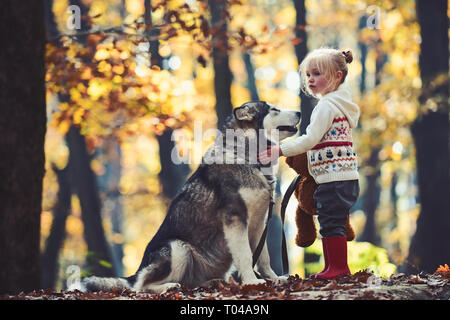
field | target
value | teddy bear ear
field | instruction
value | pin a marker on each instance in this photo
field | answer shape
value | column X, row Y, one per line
column 290, row 161
column 293, row 163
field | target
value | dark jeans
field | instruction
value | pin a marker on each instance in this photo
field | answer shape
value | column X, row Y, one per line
column 333, row 201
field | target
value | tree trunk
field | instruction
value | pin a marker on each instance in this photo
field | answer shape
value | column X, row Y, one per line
column 57, row 235
column 50, row 24
column 394, row 197
column 429, row 245
column 307, row 103
column 364, row 50
column 123, row 10
column 222, row 72
column 109, row 184
column 22, row 131
column 251, row 83
column 85, row 184
column 371, row 198
column 172, row 176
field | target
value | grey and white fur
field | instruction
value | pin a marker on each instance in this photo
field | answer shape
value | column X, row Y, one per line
column 215, row 222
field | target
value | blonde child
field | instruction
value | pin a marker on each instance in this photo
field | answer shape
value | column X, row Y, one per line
column 329, row 146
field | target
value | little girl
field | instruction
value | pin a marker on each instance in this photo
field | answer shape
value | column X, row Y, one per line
column 328, row 142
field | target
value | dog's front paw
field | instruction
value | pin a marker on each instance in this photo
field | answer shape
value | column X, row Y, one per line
column 268, row 273
column 169, row 286
column 281, row 280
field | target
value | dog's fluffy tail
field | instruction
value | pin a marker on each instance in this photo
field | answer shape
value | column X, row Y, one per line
column 101, row 284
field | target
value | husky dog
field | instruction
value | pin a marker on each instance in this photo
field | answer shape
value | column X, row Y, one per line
column 214, row 224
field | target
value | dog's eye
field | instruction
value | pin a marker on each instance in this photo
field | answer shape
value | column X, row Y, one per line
column 275, row 110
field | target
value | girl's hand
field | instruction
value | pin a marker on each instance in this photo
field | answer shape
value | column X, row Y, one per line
column 272, row 153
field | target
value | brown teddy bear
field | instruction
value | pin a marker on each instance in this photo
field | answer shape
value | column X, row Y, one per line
column 306, row 208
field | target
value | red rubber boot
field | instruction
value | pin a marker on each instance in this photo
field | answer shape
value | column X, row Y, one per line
column 337, row 258
column 325, row 256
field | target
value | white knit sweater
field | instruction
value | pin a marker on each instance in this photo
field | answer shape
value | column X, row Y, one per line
column 328, row 139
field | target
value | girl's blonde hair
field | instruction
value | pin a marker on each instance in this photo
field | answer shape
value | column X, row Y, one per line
column 329, row 61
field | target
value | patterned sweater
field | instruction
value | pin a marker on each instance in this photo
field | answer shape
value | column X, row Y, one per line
column 328, row 139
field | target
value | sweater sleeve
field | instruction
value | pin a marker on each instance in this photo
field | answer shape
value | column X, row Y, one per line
column 321, row 121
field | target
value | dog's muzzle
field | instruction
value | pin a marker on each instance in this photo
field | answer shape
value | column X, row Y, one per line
column 292, row 129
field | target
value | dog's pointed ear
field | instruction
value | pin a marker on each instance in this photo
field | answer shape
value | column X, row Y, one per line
column 245, row 112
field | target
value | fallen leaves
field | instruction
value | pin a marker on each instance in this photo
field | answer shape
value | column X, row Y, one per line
column 362, row 285
column 444, row 271
column 416, row 280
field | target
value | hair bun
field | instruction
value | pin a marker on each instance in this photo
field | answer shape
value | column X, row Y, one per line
column 348, row 55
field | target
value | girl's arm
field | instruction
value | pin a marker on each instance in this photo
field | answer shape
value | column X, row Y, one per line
column 321, row 121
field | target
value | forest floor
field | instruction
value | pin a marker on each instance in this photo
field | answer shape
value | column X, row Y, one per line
column 362, row 285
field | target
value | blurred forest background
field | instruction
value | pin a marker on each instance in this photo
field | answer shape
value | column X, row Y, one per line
column 128, row 74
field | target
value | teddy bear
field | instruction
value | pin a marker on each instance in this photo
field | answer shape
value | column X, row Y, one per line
column 306, row 229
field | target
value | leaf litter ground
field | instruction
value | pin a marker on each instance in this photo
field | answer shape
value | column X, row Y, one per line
column 362, row 285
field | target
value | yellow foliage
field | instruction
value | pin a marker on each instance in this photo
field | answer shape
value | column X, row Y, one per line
column 117, row 79
column 285, row 16
column 363, row 255
column 124, row 55
column 86, row 74
column 102, row 54
column 46, row 223
column 104, row 67
column 98, row 167
column 64, row 126
column 74, row 226
column 239, row 95
column 118, row 69
column 96, row 88
column 175, row 4
column 78, row 116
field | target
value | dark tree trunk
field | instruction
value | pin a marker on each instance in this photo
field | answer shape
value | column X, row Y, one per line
column 50, row 24
column 22, row 132
column 379, row 62
column 172, row 176
column 222, row 72
column 57, row 235
column 307, row 103
column 364, row 50
column 429, row 245
column 251, row 83
column 123, row 10
column 394, row 197
column 85, row 184
column 82, row 181
column 371, row 198
column 109, row 184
